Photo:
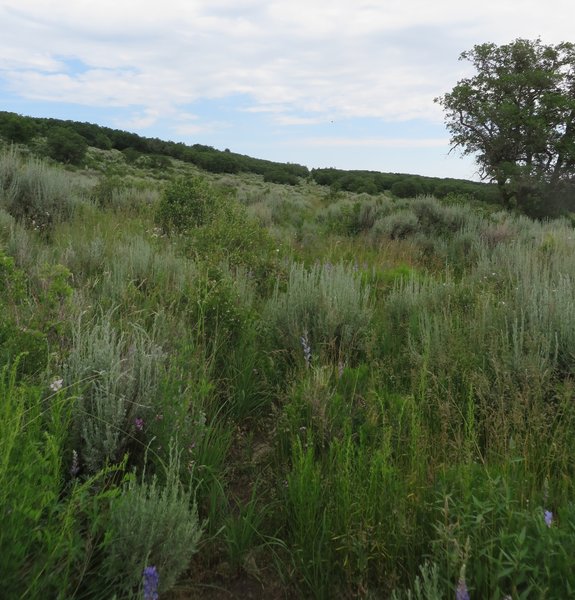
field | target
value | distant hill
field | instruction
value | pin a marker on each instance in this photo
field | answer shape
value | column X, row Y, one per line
column 67, row 142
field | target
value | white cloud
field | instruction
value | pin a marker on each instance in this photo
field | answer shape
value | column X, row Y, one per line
column 306, row 61
column 354, row 142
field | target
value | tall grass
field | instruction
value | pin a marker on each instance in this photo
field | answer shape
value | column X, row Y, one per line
column 381, row 405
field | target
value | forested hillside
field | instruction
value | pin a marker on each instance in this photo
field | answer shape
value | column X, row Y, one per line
column 68, row 141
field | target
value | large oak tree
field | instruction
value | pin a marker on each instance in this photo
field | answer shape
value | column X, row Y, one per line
column 517, row 116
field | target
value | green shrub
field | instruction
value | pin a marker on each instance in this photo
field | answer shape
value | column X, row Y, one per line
column 280, row 176
column 12, row 281
column 186, row 203
column 117, row 379
column 118, row 194
column 396, row 226
column 151, row 524
column 29, row 345
column 327, row 305
column 437, row 219
column 406, row 188
column 233, row 238
column 35, row 194
column 516, row 549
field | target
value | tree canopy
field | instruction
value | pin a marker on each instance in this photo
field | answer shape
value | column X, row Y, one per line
column 517, row 115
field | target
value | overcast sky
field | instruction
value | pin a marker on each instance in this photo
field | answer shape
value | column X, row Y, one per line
column 319, row 82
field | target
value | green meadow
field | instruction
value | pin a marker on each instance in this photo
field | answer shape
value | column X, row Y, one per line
column 279, row 390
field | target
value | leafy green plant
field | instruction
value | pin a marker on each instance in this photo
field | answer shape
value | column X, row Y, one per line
column 187, row 203
column 48, row 526
column 243, row 531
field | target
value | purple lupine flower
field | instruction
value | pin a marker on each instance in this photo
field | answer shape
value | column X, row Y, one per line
column 548, row 516
column 139, row 424
column 461, row 592
column 151, row 582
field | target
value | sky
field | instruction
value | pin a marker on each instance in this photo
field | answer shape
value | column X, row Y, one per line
column 324, row 83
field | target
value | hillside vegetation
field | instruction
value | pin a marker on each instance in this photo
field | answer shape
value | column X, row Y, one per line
column 219, row 386
column 69, row 141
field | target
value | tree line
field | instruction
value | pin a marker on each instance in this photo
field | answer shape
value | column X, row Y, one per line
column 67, row 141
column 402, row 185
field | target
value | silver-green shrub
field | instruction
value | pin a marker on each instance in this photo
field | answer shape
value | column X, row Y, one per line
column 328, row 304
column 34, row 193
column 427, row 585
column 437, row 218
column 117, row 376
column 395, row 226
column 151, row 524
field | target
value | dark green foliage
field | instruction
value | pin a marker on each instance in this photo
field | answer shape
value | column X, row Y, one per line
column 15, row 128
column 66, row 148
column 232, row 237
column 216, row 162
column 106, row 189
column 66, row 145
column 406, row 189
column 218, row 229
column 131, row 154
column 26, row 347
column 187, row 203
column 517, row 115
column 280, row 176
column 372, row 182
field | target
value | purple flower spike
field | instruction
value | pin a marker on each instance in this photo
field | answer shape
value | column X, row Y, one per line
column 461, row 592
column 139, row 424
column 151, row 582
column 548, row 516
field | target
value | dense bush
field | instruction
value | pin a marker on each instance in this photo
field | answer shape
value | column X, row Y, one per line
column 406, row 189
column 65, row 145
column 324, row 311
column 117, row 377
column 151, row 524
column 187, row 203
column 280, row 176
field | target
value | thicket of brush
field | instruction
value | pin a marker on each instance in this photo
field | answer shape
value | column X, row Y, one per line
column 337, row 395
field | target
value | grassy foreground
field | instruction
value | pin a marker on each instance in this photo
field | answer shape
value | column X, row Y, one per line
column 215, row 387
